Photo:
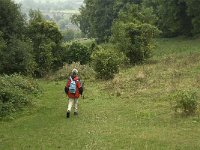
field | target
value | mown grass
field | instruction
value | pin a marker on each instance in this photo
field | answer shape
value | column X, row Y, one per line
column 133, row 111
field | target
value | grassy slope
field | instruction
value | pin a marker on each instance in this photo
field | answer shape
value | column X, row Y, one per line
column 131, row 112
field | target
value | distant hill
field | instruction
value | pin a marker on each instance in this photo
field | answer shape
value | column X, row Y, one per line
column 59, row 11
column 49, row 5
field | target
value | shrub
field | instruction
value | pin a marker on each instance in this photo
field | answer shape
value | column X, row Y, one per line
column 44, row 59
column 135, row 40
column 17, row 57
column 76, row 52
column 106, row 63
column 185, row 102
column 16, row 92
column 133, row 33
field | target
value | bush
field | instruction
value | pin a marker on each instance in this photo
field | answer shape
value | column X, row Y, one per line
column 133, row 33
column 185, row 102
column 16, row 92
column 106, row 63
column 135, row 40
column 76, row 52
column 44, row 59
column 17, row 57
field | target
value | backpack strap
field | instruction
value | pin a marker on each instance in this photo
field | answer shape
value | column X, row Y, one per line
column 71, row 78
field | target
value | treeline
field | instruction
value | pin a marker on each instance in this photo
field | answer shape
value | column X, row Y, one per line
column 131, row 27
column 172, row 17
column 35, row 46
column 31, row 46
column 126, row 24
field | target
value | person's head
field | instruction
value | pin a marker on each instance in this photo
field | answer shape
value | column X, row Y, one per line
column 74, row 72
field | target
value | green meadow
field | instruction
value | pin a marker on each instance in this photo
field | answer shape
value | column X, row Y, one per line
column 131, row 112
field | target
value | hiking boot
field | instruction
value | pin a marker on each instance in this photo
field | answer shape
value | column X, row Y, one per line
column 68, row 114
column 75, row 113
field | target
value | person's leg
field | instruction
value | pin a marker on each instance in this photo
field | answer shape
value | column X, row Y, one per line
column 70, row 104
column 76, row 106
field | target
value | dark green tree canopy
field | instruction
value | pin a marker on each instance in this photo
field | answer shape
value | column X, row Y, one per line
column 12, row 21
column 176, row 17
column 96, row 19
column 46, row 39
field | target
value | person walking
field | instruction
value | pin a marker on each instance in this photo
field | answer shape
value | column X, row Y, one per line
column 73, row 89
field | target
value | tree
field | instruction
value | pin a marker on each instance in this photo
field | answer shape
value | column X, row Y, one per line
column 12, row 21
column 17, row 57
column 46, row 40
column 15, row 48
column 95, row 19
column 76, row 52
column 173, row 16
column 194, row 12
column 173, row 19
column 134, row 31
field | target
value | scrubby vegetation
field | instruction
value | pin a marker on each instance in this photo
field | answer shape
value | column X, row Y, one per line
column 185, row 102
column 16, row 92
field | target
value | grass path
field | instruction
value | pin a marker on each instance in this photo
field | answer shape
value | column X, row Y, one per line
column 138, row 118
column 104, row 122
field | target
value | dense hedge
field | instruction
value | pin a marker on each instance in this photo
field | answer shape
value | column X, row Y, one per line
column 16, row 92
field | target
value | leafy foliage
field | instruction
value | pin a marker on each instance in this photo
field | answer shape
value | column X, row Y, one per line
column 176, row 17
column 194, row 12
column 16, row 92
column 95, row 19
column 185, row 102
column 17, row 57
column 16, row 53
column 68, row 35
column 134, row 33
column 12, row 22
column 106, row 62
column 76, row 52
column 46, row 43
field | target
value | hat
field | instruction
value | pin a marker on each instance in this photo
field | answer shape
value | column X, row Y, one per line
column 74, row 71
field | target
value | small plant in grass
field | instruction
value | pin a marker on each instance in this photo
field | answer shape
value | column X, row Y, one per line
column 185, row 102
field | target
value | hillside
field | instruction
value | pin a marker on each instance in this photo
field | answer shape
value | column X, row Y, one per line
column 50, row 4
column 58, row 11
column 132, row 111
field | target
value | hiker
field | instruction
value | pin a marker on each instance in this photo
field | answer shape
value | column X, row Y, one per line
column 73, row 89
